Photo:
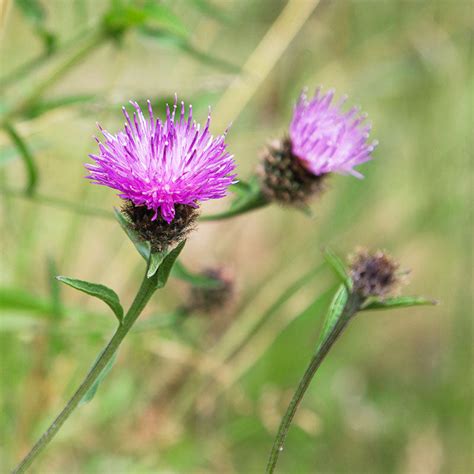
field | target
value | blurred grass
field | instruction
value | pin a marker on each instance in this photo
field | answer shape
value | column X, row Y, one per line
column 399, row 404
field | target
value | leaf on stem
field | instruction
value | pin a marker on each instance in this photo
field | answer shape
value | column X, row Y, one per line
column 338, row 267
column 166, row 266
column 397, row 302
column 142, row 247
column 93, row 390
column 335, row 311
column 107, row 295
column 155, row 260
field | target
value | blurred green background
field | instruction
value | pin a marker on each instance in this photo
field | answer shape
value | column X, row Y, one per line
column 395, row 394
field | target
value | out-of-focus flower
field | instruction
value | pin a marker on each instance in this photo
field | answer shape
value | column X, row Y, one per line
column 209, row 300
column 322, row 139
column 374, row 273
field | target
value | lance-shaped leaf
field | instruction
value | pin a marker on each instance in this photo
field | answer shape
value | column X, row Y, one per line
column 155, row 260
column 334, row 313
column 142, row 247
column 107, row 295
column 397, row 302
column 166, row 266
column 93, row 390
column 338, row 266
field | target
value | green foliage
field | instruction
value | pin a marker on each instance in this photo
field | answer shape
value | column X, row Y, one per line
column 35, row 13
column 338, row 267
column 107, row 295
column 105, row 371
column 249, row 197
column 397, row 302
column 143, row 248
column 166, row 266
column 155, row 260
column 26, row 155
column 125, row 15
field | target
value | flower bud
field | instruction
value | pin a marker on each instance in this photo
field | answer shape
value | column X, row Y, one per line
column 374, row 273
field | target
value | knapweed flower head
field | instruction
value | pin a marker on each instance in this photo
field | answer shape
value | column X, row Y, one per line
column 327, row 140
column 322, row 139
column 163, row 170
column 374, row 273
column 159, row 165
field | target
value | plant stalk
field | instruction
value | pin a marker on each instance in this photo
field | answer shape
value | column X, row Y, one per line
column 350, row 309
column 144, row 294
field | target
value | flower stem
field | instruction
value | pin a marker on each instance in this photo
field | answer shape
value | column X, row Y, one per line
column 145, row 292
column 350, row 309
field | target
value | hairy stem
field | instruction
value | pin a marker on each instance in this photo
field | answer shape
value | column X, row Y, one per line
column 351, row 307
column 145, row 292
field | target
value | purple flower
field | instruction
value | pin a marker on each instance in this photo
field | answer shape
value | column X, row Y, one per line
column 327, row 140
column 160, row 164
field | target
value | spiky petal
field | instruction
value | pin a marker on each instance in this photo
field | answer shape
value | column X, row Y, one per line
column 161, row 164
column 327, row 140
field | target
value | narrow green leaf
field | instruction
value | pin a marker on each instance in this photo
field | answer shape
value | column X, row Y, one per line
column 338, row 266
column 397, row 302
column 182, row 273
column 107, row 295
column 142, row 247
column 334, row 313
column 155, row 260
column 165, row 268
column 93, row 390
column 27, row 156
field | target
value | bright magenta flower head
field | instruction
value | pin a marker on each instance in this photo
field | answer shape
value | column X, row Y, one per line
column 159, row 164
column 327, row 140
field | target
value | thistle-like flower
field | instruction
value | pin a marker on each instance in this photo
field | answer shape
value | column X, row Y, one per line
column 163, row 170
column 374, row 273
column 322, row 139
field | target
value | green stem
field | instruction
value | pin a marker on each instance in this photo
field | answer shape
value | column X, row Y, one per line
column 350, row 309
column 145, row 292
column 27, row 156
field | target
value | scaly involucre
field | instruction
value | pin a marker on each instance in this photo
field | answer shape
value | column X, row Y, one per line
column 325, row 139
column 159, row 164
